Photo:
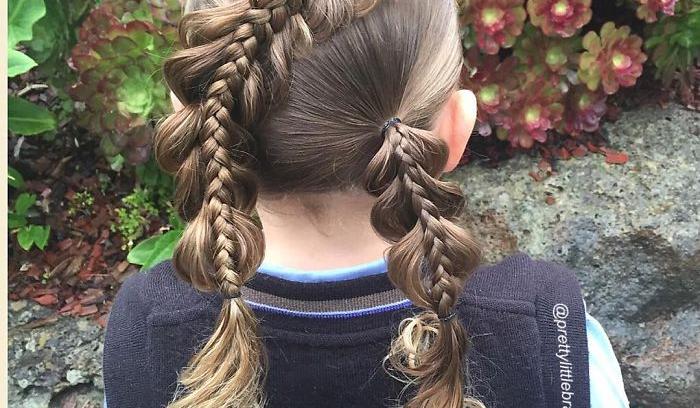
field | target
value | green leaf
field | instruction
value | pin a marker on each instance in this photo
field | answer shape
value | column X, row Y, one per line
column 40, row 235
column 18, row 63
column 154, row 249
column 14, row 178
column 24, row 238
column 51, row 34
column 26, row 118
column 21, row 16
column 33, row 235
column 16, row 221
column 23, row 202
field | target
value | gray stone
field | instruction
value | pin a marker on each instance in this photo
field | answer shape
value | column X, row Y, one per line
column 53, row 359
column 631, row 233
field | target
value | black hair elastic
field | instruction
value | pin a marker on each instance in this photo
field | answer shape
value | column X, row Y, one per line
column 389, row 123
column 448, row 317
column 231, row 296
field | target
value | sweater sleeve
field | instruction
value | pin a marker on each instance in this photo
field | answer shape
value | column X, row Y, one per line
column 125, row 358
column 607, row 389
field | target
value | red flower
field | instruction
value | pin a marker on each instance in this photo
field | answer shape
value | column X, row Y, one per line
column 559, row 17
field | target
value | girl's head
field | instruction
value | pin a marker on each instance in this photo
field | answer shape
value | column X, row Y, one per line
column 297, row 96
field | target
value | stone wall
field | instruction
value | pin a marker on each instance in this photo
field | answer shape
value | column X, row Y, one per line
column 630, row 232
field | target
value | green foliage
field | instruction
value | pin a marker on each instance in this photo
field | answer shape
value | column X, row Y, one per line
column 55, row 34
column 674, row 44
column 18, row 63
column 14, row 178
column 26, row 118
column 81, row 203
column 120, row 88
column 21, row 16
column 31, row 235
column 155, row 249
column 28, row 235
column 18, row 217
column 162, row 185
column 135, row 214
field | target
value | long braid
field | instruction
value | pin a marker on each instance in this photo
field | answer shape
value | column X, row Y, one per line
column 430, row 261
column 222, row 246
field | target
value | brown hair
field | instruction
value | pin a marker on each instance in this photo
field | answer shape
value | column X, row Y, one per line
column 254, row 122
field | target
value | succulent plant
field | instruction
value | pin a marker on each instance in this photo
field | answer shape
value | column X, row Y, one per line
column 614, row 58
column 537, row 110
column 120, row 87
column 496, row 22
column 559, row 17
column 649, row 9
column 584, row 110
column 491, row 79
column 557, row 54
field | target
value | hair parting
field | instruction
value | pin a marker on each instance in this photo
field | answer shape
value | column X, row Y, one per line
column 252, row 122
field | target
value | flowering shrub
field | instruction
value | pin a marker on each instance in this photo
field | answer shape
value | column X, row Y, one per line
column 120, row 88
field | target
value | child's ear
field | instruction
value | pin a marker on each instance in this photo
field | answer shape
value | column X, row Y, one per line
column 455, row 124
column 177, row 105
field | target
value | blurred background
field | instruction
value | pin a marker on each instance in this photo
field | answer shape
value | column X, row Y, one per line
column 586, row 154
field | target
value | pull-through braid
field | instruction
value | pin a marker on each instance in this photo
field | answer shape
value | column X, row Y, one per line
column 430, row 261
column 208, row 145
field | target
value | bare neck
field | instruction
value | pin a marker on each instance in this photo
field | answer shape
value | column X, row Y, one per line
column 319, row 231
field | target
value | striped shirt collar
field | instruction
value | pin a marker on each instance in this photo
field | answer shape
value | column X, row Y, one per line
column 359, row 290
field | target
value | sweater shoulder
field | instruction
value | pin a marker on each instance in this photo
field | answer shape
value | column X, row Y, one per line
column 160, row 290
column 519, row 277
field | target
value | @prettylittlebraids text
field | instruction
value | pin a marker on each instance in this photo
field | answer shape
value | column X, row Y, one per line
column 560, row 312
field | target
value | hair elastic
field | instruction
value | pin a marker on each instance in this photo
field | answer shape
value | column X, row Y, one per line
column 389, row 123
column 448, row 317
column 231, row 296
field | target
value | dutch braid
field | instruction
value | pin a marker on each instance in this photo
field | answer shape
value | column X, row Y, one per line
column 222, row 246
column 430, row 261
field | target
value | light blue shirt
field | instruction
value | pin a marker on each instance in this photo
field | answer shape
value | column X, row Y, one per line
column 607, row 389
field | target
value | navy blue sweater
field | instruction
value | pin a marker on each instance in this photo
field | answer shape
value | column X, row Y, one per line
column 326, row 340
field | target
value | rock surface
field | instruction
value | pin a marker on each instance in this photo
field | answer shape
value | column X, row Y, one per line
column 630, row 232
column 53, row 361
